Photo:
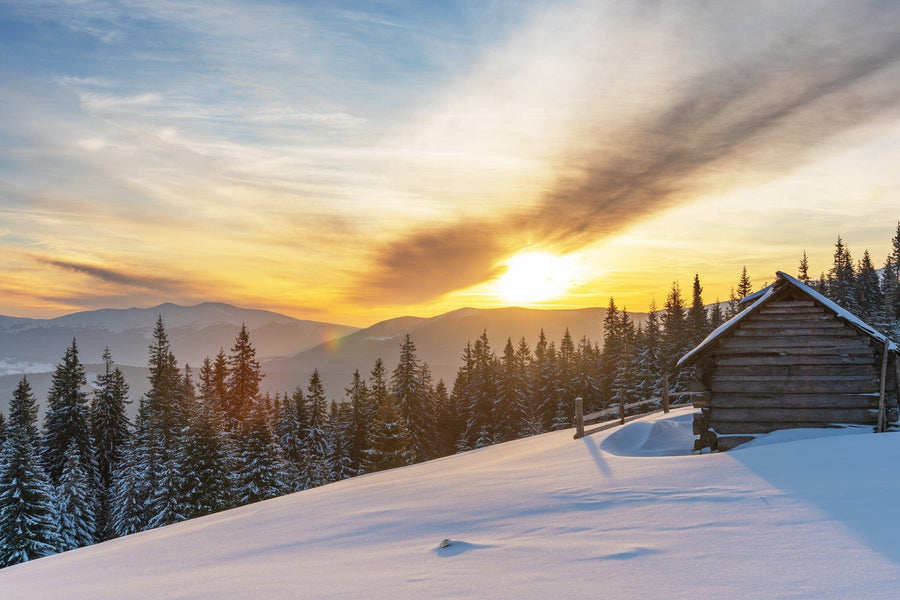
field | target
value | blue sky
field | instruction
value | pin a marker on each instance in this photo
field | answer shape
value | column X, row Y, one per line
column 352, row 161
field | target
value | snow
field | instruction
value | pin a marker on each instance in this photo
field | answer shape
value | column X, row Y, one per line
column 625, row 513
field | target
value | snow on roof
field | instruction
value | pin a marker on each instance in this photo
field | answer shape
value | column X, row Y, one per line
column 765, row 294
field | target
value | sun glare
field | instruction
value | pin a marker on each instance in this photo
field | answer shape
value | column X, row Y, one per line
column 535, row 277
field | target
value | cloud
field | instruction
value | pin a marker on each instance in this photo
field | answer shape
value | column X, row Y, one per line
column 133, row 280
column 710, row 98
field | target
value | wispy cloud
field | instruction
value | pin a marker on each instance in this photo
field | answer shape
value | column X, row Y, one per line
column 728, row 110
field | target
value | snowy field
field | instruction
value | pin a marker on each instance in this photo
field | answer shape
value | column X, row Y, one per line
column 626, row 513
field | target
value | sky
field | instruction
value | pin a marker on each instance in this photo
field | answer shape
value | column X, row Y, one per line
column 355, row 161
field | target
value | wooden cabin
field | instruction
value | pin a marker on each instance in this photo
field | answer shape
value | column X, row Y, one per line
column 792, row 358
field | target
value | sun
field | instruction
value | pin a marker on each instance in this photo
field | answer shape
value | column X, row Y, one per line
column 535, row 277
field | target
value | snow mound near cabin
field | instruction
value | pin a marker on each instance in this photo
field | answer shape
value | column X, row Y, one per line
column 672, row 436
column 541, row 517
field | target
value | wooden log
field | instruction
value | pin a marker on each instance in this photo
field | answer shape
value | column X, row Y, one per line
column 772, row 342
column 622, row 408
column 775, row 311
column 798, row 371
column 579, row 418
column 758, row 427
column 814, row 322
column 725, row 443
column 797, row 360
column 742, row 377
column 795, row 387
column 790, row 303
column 798, row 351
column 798, row 331
column 864, row 416
column 740, row 400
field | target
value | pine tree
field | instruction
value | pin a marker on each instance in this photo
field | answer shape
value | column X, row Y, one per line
column 390, row 441
column 206, row 483
column 291, row 424
column 74, row 495
column 676, row 342
column 744, row 288
column 337, row 429
column 66, row 420
column 480, row 396
column 612, row 352
column 259, row 471
column 545, row 377
column 889, row 321
column 447, row 420
column 649, row 356
column 109, row 433
column 587, row 375
column 244, row 376
column 411, row 398
column 506, row 405
column 698, row 321
column 565, row 381
column 316, row 444
column 716, row 316
column 166, row 411
column 803, row 270
column 28, row 527
column 361, row 419
column 867, row 291
column 841, row 278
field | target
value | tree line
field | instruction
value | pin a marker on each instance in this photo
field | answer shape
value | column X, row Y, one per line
column 212, row 441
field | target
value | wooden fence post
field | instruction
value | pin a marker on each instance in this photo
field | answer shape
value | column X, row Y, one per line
column 665, row 395
column 621, row 407
column 579, row 418
column 884, row 363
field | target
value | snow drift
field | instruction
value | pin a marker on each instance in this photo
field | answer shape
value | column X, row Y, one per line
column 626, row 513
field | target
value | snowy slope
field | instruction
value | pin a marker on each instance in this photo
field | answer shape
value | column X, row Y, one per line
column 626, row 513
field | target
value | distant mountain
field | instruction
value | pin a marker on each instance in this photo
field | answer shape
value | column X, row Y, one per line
column 36, row 345
column 439, row 340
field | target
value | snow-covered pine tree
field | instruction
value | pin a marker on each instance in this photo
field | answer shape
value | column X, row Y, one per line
column 337, row 428
column 587, row 362
column 109, row 433
column 131, row 488
column 28, row 526
column 698, row 320
column 447, row 420
column 675, row 339
column 803, row 269
column 75, row 503
column 206, row 482
column 506, row 404
column 566, row 383
column 66, row 419
column 410, row 395
column 889, row 322
column 867, row 291
column 259, row 471
column 359, row 426
column 841, row 278
column 480, row 396
column 527, row 402
column 244, row 376
column 545, row 380
column 291, row 424
column 316, row 443
column 612, row 353
column 649, row 356
column 745, row 287
column 390, row 440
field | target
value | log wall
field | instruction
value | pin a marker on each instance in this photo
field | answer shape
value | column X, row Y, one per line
column 793, row 364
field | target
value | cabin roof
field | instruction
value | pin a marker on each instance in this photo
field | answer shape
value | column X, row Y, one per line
column 763, row 296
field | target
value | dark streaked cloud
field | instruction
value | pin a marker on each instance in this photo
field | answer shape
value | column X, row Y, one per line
column 757, row 99
column 117, row 276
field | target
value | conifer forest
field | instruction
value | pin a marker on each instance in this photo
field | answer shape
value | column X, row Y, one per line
column 208, row 440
